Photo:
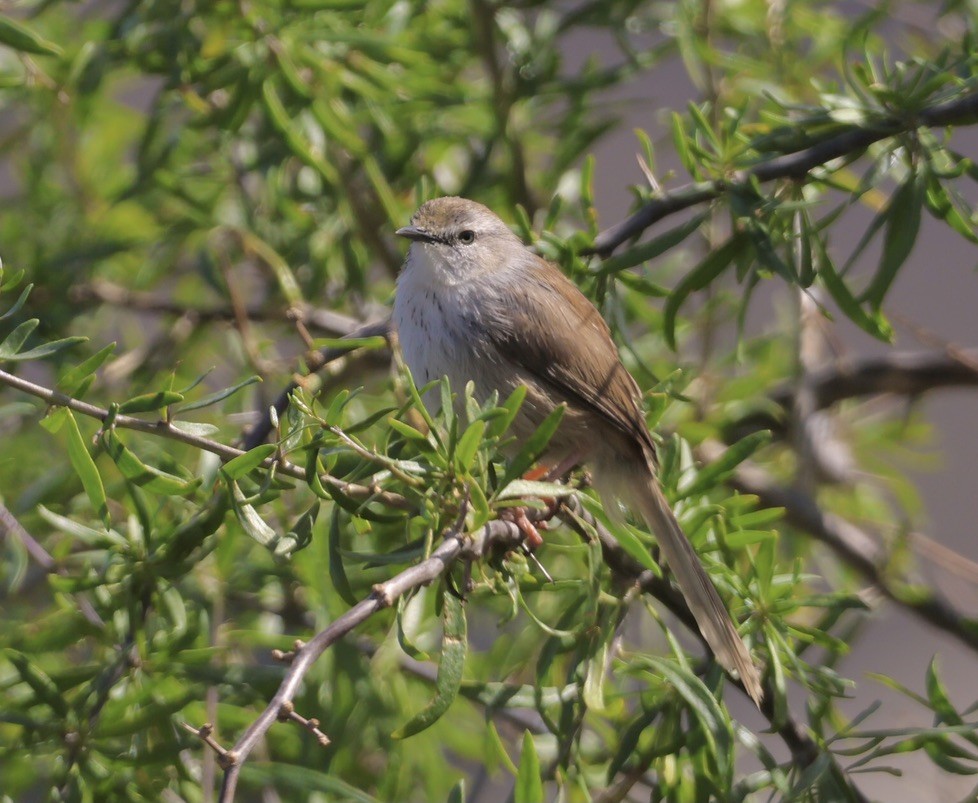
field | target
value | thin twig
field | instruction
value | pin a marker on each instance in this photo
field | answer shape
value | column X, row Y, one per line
column 797, row 164
column 456, row 545
column 166, row 429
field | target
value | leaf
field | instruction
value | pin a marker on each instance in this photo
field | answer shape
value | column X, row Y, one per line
column 337, row 572
column 714, row 722
column 252, row 523
column 244, row 463
column 529, row 786
column 85, row 468
column 713, row 474
column 18, row 303
column 219, row 396
column 533, row 447
column 75, row 379
column 44, row 688
column 653, row 248
column 302, row 782
column 518, row 489
column 454, row 645
column 20, row 37
column 468, row 445
column 150, row 401
column 902, row 227
column 299, row 535
column 47, row 349
column 633, row 545
column 874, row 324
column 699, row 277
column 16, row 339
column 511, row 407
column 138, row 473
column 457, row 793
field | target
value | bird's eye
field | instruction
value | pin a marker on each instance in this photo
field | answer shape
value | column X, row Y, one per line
column 466, row 237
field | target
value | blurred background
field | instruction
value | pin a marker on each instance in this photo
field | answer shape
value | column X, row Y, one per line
column 214, row 186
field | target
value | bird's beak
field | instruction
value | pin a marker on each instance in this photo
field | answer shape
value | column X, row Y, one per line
column 414, row 233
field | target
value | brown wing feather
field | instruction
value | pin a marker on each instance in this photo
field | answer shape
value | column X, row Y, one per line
column 573, row 351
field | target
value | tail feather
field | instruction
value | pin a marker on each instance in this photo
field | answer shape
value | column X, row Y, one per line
column 711, row 614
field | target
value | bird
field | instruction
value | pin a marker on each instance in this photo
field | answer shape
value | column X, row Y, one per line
column 474, row 303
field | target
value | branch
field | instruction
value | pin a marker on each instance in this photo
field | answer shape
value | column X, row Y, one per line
column 853, row 545
column 100, row 291
column 456, row 545
column 901, row 373
column 166, row 429
column 794, row 165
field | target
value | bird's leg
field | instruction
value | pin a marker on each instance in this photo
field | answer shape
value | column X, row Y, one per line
column 518, row 516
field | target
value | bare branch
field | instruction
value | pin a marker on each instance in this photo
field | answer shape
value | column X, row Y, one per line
column 456, row 545
column 960, row 111
column 910, row 373
column 100, row 291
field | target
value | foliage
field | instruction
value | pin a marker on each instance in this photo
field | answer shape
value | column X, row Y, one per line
column 214, row 185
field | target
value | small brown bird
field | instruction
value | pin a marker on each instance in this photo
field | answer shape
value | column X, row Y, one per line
column 474, row 303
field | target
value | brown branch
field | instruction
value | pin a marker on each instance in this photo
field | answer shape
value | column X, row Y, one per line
column 167, row 429
column 456, row 545
column 100, row 291
column 901, row 373
column 796, row 165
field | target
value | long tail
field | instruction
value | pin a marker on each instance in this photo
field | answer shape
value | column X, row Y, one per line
column 701, row 596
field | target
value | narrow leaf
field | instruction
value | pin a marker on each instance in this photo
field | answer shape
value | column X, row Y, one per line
column 84, row 465
column 529, row 786
column 244, row 463
column 454, row 645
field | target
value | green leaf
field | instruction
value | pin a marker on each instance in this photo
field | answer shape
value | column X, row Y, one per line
column 138, row 473
column 150, row 401
column 47, row 349
column 45, row 689
column 714, row 723
column 634, row 546
column 84, row 465
column 533, row 448
column 16, row 339
column 511, row 407
column 699, row 277
column 519, row 488
column 18, row 303
column 77, row 378
column 219, row 396
column 337, row 572
column 244, row 463
column 874, row 324
column 20, row 37
column 299, row 535
column 468, row 445
column 454, row 646
column 457, row 793
column 370, row 343
column 902, row 227
column 713, row 474
column 249, row 519
column 653, row 248
column 302, row 782
column 529, row 786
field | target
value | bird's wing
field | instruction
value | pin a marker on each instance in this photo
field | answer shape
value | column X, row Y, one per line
column 572, row 352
